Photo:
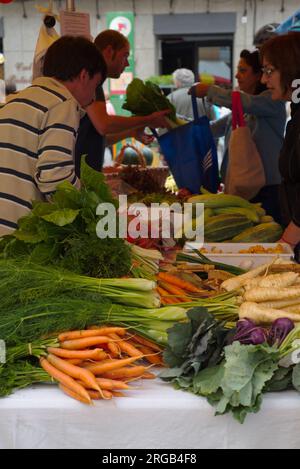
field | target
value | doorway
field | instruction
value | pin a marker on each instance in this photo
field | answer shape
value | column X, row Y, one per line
column 210, row 59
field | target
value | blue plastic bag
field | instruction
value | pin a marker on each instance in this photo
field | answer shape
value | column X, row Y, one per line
column 191, row 154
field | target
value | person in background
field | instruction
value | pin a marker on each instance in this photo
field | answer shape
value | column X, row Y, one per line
column 108, row 159
column 183, row 79
column 266, row 32
column 266, row 119
column 38, row 127
column 281, row 67
column 99, row 129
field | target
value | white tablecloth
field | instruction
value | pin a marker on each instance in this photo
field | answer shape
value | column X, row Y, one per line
column 155, row 416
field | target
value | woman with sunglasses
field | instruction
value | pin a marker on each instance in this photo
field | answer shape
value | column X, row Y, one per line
column 281, row 74
column 265, row 118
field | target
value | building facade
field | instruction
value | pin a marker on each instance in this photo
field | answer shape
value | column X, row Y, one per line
column 168, row 33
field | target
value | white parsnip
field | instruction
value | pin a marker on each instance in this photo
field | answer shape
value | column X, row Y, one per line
column 286, row 279
column 280, row 304
column 260, row 294
column 261, row 315
column 239, row 281
column 253, row 282
column 293, row 309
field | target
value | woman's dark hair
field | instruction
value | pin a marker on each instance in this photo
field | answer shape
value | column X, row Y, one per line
column 283, row 53
column 253, row 60
column 69, row 55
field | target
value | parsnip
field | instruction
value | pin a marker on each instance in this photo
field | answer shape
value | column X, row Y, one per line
column 261, row 315
column 241, row 280
column 286, row 279
column 293, row 309
column 280, row 304
column 260, row 294
column 253, row 282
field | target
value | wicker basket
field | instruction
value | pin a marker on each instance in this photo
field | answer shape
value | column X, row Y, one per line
column 158, row 174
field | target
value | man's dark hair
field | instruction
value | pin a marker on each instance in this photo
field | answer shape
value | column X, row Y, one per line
column 69, row 55
column 112, row 38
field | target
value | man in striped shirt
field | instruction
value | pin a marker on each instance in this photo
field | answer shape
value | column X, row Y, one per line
column 38, row 127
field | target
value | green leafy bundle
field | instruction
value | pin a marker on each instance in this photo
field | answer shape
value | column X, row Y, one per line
column 237, row 384
column 63, row 232
column 193, row 346
column 145, row 98
column 21, row 374
column 232, row 377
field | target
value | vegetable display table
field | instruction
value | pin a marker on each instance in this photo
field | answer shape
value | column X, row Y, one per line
column 153, row 416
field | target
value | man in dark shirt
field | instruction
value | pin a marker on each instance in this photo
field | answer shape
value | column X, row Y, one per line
column 99, row 129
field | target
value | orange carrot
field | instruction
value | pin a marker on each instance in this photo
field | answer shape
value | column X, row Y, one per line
column 174, row 290
column 73, row 394
column 80, row 344
column 74, row 361
column 90, row 333
column 118, row 394
column 96, row 395
column 166, row 298
column 64, row 379
column 109, row 365
column 74, row 371
column 114, row 349
column 125, row 372
column 111, row 384
column 154, row 358
column 178, row 282
column 147, row 342
column 126, row 347
column 148, row 376
column 95, row 354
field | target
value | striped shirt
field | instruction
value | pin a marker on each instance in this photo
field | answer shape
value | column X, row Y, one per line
column 38, row 130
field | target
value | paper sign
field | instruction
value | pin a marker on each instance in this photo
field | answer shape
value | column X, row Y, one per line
column 73, row 23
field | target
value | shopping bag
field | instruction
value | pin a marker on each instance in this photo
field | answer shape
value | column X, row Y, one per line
column 245, row 174
column 191, row 154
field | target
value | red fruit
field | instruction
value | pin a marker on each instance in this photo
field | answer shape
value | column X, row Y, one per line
column 184, row 193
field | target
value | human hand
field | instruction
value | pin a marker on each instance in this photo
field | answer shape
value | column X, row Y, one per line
column 291, row 235
column 200, row 90
column 158, row 119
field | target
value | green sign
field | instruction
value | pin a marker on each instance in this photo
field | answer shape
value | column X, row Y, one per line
column 124, row 23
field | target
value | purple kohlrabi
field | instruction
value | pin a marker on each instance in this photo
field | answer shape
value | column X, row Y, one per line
column 279, row 331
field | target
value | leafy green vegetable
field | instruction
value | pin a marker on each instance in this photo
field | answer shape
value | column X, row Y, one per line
column 162, row 80
column 63, row 232
column 237, row 384
column 22, row 282
column 20, row 375
column 96, row 257
column 145, row 98
column 231, row 377
column 296, row 377
column 62, row 217
column 194, row 345
column 280, row 381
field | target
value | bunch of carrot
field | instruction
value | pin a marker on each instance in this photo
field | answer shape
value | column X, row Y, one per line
column 98, row 363
column 173, row 289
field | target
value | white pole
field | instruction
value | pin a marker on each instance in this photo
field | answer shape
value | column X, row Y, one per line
column 70, row 5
